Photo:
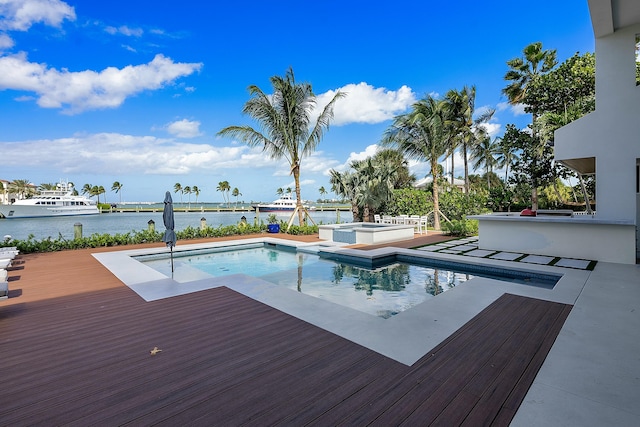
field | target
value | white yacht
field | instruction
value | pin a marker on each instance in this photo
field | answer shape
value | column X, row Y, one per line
column 58, row 202
column 284, row 203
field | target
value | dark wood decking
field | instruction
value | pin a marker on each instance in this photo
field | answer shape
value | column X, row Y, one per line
column 82, row 357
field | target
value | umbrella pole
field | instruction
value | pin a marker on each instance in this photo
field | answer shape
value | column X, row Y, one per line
column 172, row 259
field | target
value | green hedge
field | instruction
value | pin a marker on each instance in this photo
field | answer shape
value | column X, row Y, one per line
column 49, row 244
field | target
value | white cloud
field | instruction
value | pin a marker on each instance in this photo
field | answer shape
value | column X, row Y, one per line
column 184, row 128
column 114, row 153
column 75, row 92
column 516, row 110
column 491, row 128
column 19, row 15
column 370, row 151
column 6, row 42
column 365, row 104
column 125, row 31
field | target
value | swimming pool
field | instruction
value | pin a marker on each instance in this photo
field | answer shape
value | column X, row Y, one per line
column 382, row 287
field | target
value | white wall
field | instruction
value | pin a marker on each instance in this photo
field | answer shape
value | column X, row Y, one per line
column 611, row 134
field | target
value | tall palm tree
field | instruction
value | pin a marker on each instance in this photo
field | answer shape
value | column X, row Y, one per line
column 187, row 190
column 116, row 186
column 86, row 189
column 467, row 129
column 177, row 188
column 279, row 192
column 195, row 190
column 522, row 72
column 421, row 134
column 97, row 190
column 285, row 118
column 224, row 188
column 344, row 185
column 484, row 155
column 322, row 191
column 507, row 154
column 236, row 193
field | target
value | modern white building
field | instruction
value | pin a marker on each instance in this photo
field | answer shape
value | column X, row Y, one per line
column 606, row 143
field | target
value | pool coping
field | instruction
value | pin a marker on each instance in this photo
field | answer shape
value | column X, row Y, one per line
column 404, row 337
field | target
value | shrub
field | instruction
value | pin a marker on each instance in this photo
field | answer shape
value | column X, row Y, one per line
column 461, row 227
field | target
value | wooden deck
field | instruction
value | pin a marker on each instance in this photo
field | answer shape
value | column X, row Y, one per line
column 75, row 349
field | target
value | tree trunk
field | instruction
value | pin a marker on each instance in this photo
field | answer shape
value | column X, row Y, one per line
column 453, row 153
column 355, row 212
column 467, row 187
column 296, row 178
column 436, row 202
column 365, row 214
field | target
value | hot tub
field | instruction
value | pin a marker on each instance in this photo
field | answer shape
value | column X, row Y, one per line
column 367, row 233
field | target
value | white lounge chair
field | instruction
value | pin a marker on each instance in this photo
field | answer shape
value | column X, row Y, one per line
column 4, row 290
column 4, row 263
column 8, row 254
column 3, row 275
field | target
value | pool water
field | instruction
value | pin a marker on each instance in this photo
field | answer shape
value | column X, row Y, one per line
column 383, row 291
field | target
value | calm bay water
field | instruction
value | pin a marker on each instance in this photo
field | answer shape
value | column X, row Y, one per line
column 123, row 222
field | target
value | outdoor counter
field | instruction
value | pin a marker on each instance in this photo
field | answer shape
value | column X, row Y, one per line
column 583, row 237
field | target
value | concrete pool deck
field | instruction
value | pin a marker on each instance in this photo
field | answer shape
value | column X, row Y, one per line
column 591, row 377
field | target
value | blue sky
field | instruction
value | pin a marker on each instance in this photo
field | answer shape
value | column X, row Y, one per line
column 135, row 91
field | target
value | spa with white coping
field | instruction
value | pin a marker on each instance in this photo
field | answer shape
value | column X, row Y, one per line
column 584, row 236
column 367, row 233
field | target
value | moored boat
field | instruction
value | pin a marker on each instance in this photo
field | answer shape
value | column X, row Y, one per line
column 58, row 202
column 283, row 204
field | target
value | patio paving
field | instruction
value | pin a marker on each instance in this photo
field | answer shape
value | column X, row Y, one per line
column 537, row 259
column 468, row 246
column 506, row 256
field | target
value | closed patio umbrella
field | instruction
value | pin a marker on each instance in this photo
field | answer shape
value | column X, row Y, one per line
column 167, row 216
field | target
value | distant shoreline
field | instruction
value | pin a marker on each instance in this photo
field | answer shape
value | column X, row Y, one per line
column 159, row 208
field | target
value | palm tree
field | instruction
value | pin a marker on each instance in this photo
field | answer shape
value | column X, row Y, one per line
column 468, row 130
column 369, row 186
column 224, row 187
column 421, row 134
column 187, row 191
column 506, row 156
column 484, row 155
column 236, row 193
column 279, row 192
column 116, row 186
column 46, row 186
column 195, row 190
column 322, row 191
column 97, row 190
column 86, row 189
column 285, row 118
column 522, row 72
column 22, row 188
column 177, row 188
